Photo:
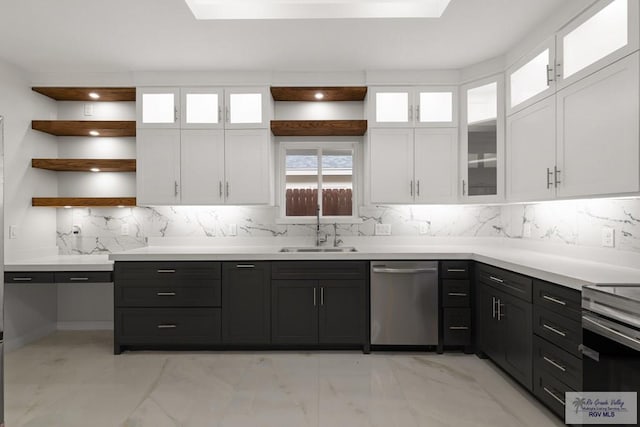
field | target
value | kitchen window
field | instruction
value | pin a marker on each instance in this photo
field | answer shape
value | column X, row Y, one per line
column 318, row 178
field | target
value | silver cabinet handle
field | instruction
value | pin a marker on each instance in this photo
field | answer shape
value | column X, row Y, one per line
column 245, row 266
column 322, row 296
column 554, row 330
column 403, row 270
column 228, row 118
column 175, row 115
column 589, row 352
column 457, row 294
column 495, row 279
column 175, row 188
column 219, row 113
column 493, row 307
column 167, row 326
column 500, row 314
column 314, row 297
column 410, row 112
column 220, row 188
column 554, row 300
column 166, row 294
column 411, row 188
column 165, row 271
column 552, row 394
column 418, row 188
column 549, row 75
column 464, row 187
column 558, row 66
column 22, row 279
column 227, row 189
column 417, row 113
column 456, row 270
column 554, row 363
column 556, row 173
column 549, row 175
column 458, row 328
column 78, row 279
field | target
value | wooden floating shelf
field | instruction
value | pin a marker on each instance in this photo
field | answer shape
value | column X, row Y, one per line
column 348, row 93
column 82, row 202
column 85, row 165
column 318, row 127
column 82, row 93
column 111, row 128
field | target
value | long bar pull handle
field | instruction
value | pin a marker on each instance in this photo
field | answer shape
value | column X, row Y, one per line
column 228, row 115
column 403, row 270
column 227, row 189
column 78, row 279
column 554, row 300
column 464, row 187
column 554, row 363
column 22, row 279
column 322, row 296
column 219, row 114
column 166, row 294
column 418, row 188
column 245, row 266
column 170, row 326
column 175, row 115
column 549, row 175
column 495, row 279
column 411, row 188
column 410, row 113
column 493, row 307
column 457, row 294
column 175, row 188
column 556, row 173
column 456, row 270
column 549, row 75
column 459, row 328
column 166, row 271
column 314, row 297
column 500, row 314
column 220, row 188
column 552, row 394
column 554, row 330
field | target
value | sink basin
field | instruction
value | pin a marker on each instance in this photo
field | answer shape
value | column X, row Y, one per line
column 320, row 250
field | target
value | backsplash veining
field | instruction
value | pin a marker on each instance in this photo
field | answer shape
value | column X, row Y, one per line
column 568, row 222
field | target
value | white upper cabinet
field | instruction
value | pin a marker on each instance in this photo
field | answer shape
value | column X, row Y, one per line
column 603, row 34
column 202, row 108
column 531, row 78
column 248, row 178
column 435, row 164
column 202, row 167
column 158, row 107
column 391, row 165
column 482, row 132
column 413, row 107
column 158, row 166
column 247, row 108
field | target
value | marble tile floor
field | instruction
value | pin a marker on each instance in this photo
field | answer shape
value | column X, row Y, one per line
column 72, row 379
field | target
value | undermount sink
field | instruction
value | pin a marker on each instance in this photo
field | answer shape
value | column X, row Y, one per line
column 344, row 249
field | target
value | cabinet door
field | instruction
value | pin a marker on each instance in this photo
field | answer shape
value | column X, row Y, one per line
column 436, row 107
column 294, row 311
column 391, row 167
column 158, row 166
column 157, row 107
column 202, row 167
column 601, row 35
column 516, row 317
column 202, row 108
column 390, row 107
column 531, row 157
column 247, row 108
column 246, row 302
column 247, row 167
column 598, row 150
column 342, row 314
column 532, row 78
column 436, row 165
column 490, row 329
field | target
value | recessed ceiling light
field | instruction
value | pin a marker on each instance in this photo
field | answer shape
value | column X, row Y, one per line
column 319, row 95
column 94, row 95
column 316, row 9
column 94, row 170
column 94, row 133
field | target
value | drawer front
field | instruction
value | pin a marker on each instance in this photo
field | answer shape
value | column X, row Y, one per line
column 507, row 281
column 457, row 326
column 167, row 274
column 174, row 326
column 550, row 391
column 83, row 277
column 179, row 296
column 561, row 331
column 29, row 277
column 319, row 270
column 564, row 301
column 454, row 269
column 557, row 363
column 455, row 293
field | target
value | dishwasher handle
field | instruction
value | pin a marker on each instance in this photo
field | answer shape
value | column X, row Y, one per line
column 404, row 270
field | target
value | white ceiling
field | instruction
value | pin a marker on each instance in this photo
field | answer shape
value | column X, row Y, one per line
column 162, row 35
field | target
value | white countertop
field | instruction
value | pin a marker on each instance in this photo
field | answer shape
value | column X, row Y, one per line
column 563, row 270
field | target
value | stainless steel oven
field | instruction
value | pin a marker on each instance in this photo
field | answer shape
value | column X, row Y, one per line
column 611, row 338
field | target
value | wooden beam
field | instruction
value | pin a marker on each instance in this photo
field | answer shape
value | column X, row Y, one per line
column 318, row 127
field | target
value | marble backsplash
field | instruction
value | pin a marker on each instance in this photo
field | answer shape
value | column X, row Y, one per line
column 580, row 222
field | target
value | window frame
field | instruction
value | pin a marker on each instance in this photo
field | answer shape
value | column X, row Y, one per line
column 318, row 143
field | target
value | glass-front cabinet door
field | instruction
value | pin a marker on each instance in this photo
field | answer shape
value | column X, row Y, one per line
column 246, row 108
column 390, row 107
column 436, row 107
column 603, row 34
column 532, row 78
column 202, row 108
column 158, row 107
column 483, row 140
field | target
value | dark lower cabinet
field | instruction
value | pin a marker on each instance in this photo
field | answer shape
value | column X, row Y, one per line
column 246, row 303
column 342, row 311
column 294, row 312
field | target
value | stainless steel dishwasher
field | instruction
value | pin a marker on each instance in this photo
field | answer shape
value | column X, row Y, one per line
column 404, row 303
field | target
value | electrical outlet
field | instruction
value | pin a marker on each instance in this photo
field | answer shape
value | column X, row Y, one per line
column 526, row 229
column 88, row 109
column 424, row 228
column 124, row 229
column 608, row 237
column 13, row 231
column 383, row 230
column 232, row 230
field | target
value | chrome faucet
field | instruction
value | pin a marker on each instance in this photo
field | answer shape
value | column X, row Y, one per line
column 319, row 240
column 336, row 241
